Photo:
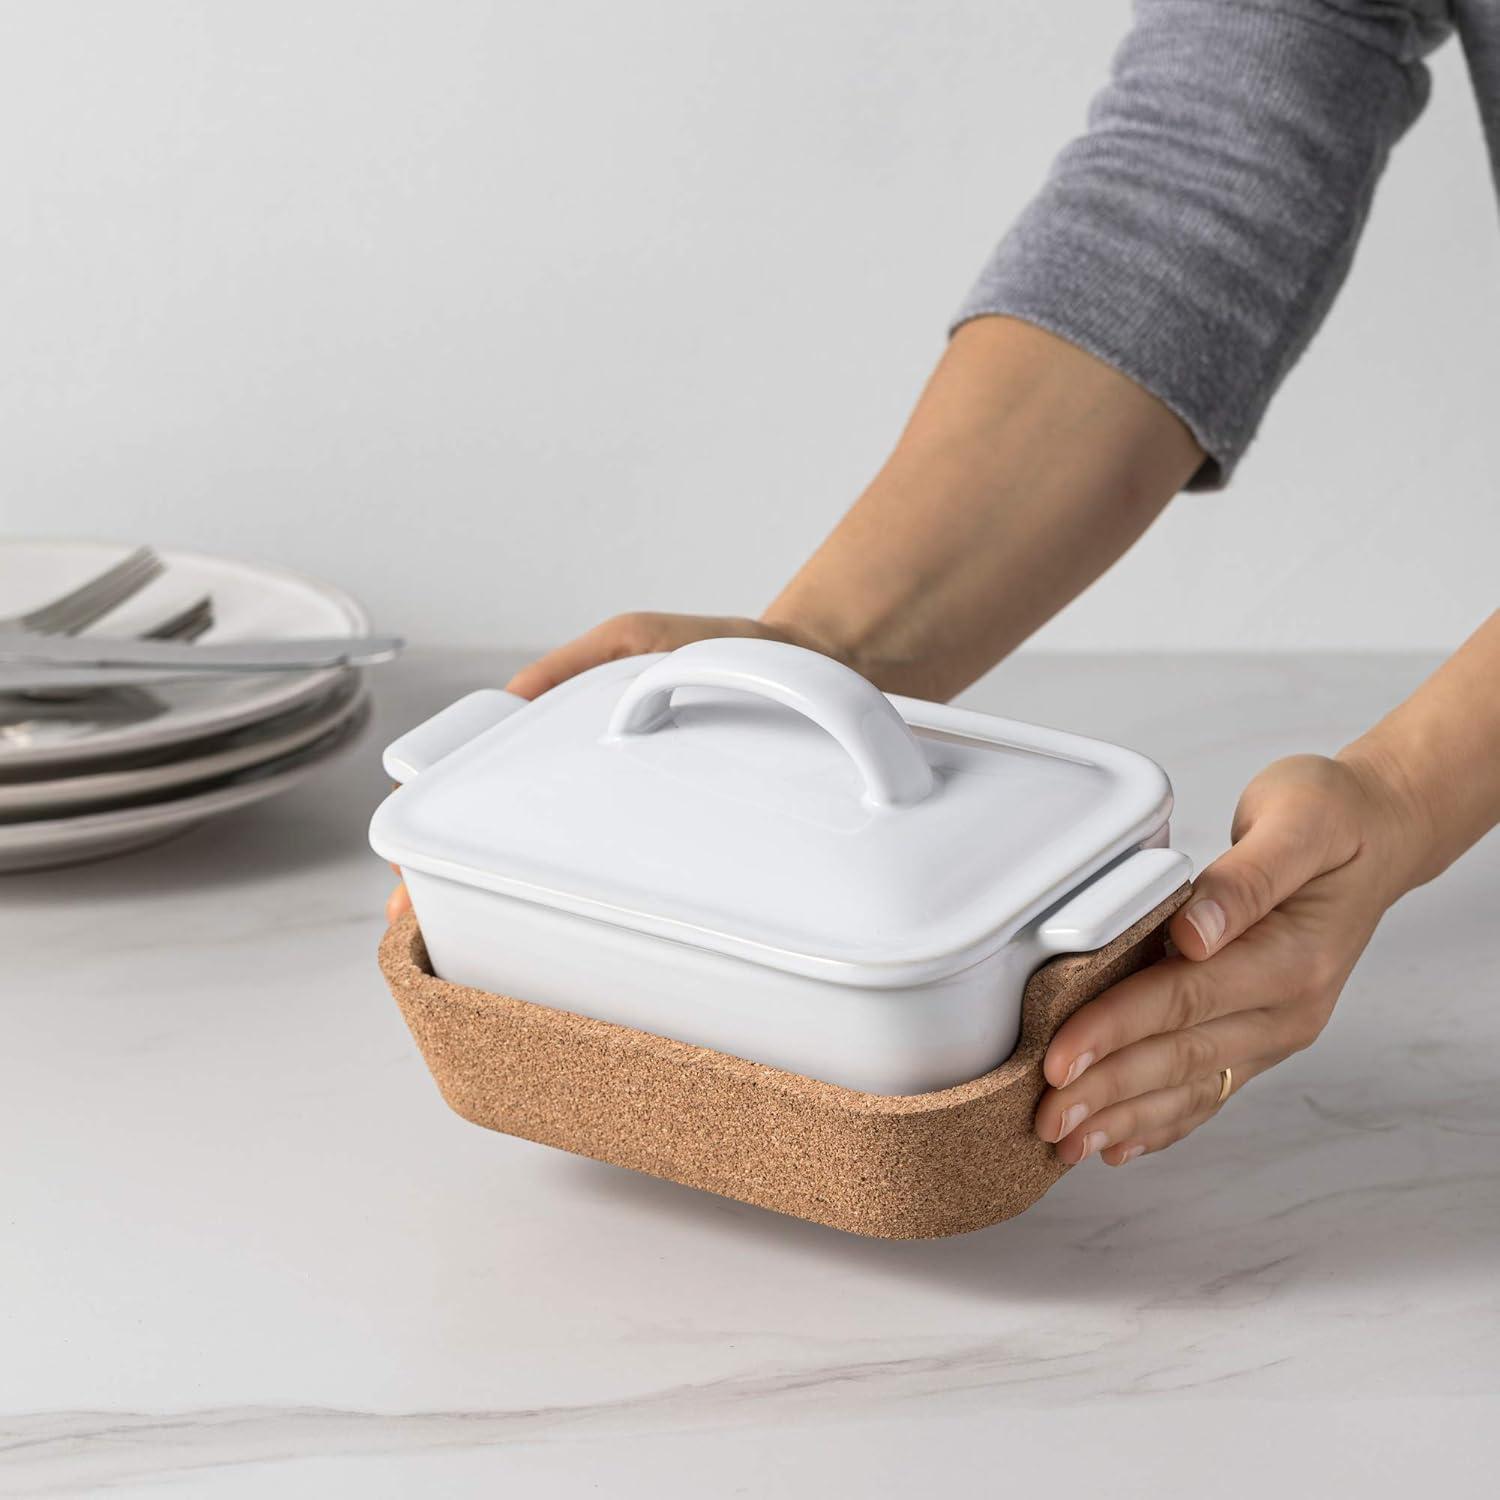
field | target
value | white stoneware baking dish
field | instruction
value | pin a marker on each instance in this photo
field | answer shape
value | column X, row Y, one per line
column 746, row 846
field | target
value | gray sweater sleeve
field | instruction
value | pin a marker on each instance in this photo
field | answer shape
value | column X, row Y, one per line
column 1195, row 236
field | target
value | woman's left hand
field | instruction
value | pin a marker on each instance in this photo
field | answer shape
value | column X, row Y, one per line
column 1264, row 946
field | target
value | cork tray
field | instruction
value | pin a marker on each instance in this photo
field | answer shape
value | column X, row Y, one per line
column 912, row 1167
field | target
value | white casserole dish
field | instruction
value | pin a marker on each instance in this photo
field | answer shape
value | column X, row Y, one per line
column 746, row 846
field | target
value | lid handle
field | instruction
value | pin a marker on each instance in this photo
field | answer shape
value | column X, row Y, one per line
column 856, row 713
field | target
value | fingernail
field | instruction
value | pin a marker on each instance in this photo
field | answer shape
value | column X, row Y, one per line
column 1073, row 1116
column 1092, row 1142
column 1079, row 1064
column 1130, row 1153
column 1208, row 922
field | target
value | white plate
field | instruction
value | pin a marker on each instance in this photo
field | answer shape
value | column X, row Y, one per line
column 250, row 602
column 220, row 756
column 66, row 841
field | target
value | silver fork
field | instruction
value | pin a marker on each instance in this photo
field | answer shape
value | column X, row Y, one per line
column 76, row 610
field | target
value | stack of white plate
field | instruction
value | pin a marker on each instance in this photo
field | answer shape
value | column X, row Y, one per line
column 105, row 771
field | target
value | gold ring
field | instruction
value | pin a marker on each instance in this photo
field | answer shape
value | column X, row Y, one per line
column 1226, row 1082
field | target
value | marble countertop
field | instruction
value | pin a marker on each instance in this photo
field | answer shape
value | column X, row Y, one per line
column 246, row 1250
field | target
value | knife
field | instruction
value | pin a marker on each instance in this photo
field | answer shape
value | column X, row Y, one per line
column 113, row 657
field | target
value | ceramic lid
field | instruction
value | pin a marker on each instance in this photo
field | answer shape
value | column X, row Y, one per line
column 762, row 800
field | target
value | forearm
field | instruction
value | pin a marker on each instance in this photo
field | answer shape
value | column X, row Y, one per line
column 1435, row 761
column 1196, row 235
column 1027, row 468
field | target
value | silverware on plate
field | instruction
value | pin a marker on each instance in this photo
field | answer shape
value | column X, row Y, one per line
column 184, row 625
column 91, row 601
column 33, row 661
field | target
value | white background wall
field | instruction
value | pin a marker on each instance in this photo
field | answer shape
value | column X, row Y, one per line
column 510, row 316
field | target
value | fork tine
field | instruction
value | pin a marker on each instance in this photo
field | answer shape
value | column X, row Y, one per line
column 47, row 616
column 115, row 592
column 72, row 610
column 186, row 625
column 82, row 606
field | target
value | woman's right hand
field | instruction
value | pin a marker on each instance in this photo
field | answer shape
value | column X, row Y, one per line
column 639, row 634
column 627, row 635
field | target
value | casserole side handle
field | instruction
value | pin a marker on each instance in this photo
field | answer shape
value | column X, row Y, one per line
column 447, row 731
column 1107, row 905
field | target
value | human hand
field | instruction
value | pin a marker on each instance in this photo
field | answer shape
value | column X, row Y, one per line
column 640, row 633
column 629, row 635
column 1264, row 947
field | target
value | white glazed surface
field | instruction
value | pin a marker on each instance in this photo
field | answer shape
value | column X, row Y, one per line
column 739, row 826
column 43, row 843
column 891, row 1041
column 906, row 1040
column 247, row 1251
column 745, row 821
column 222, row 755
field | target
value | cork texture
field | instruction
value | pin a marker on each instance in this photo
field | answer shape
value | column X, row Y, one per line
column 911, row 1167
